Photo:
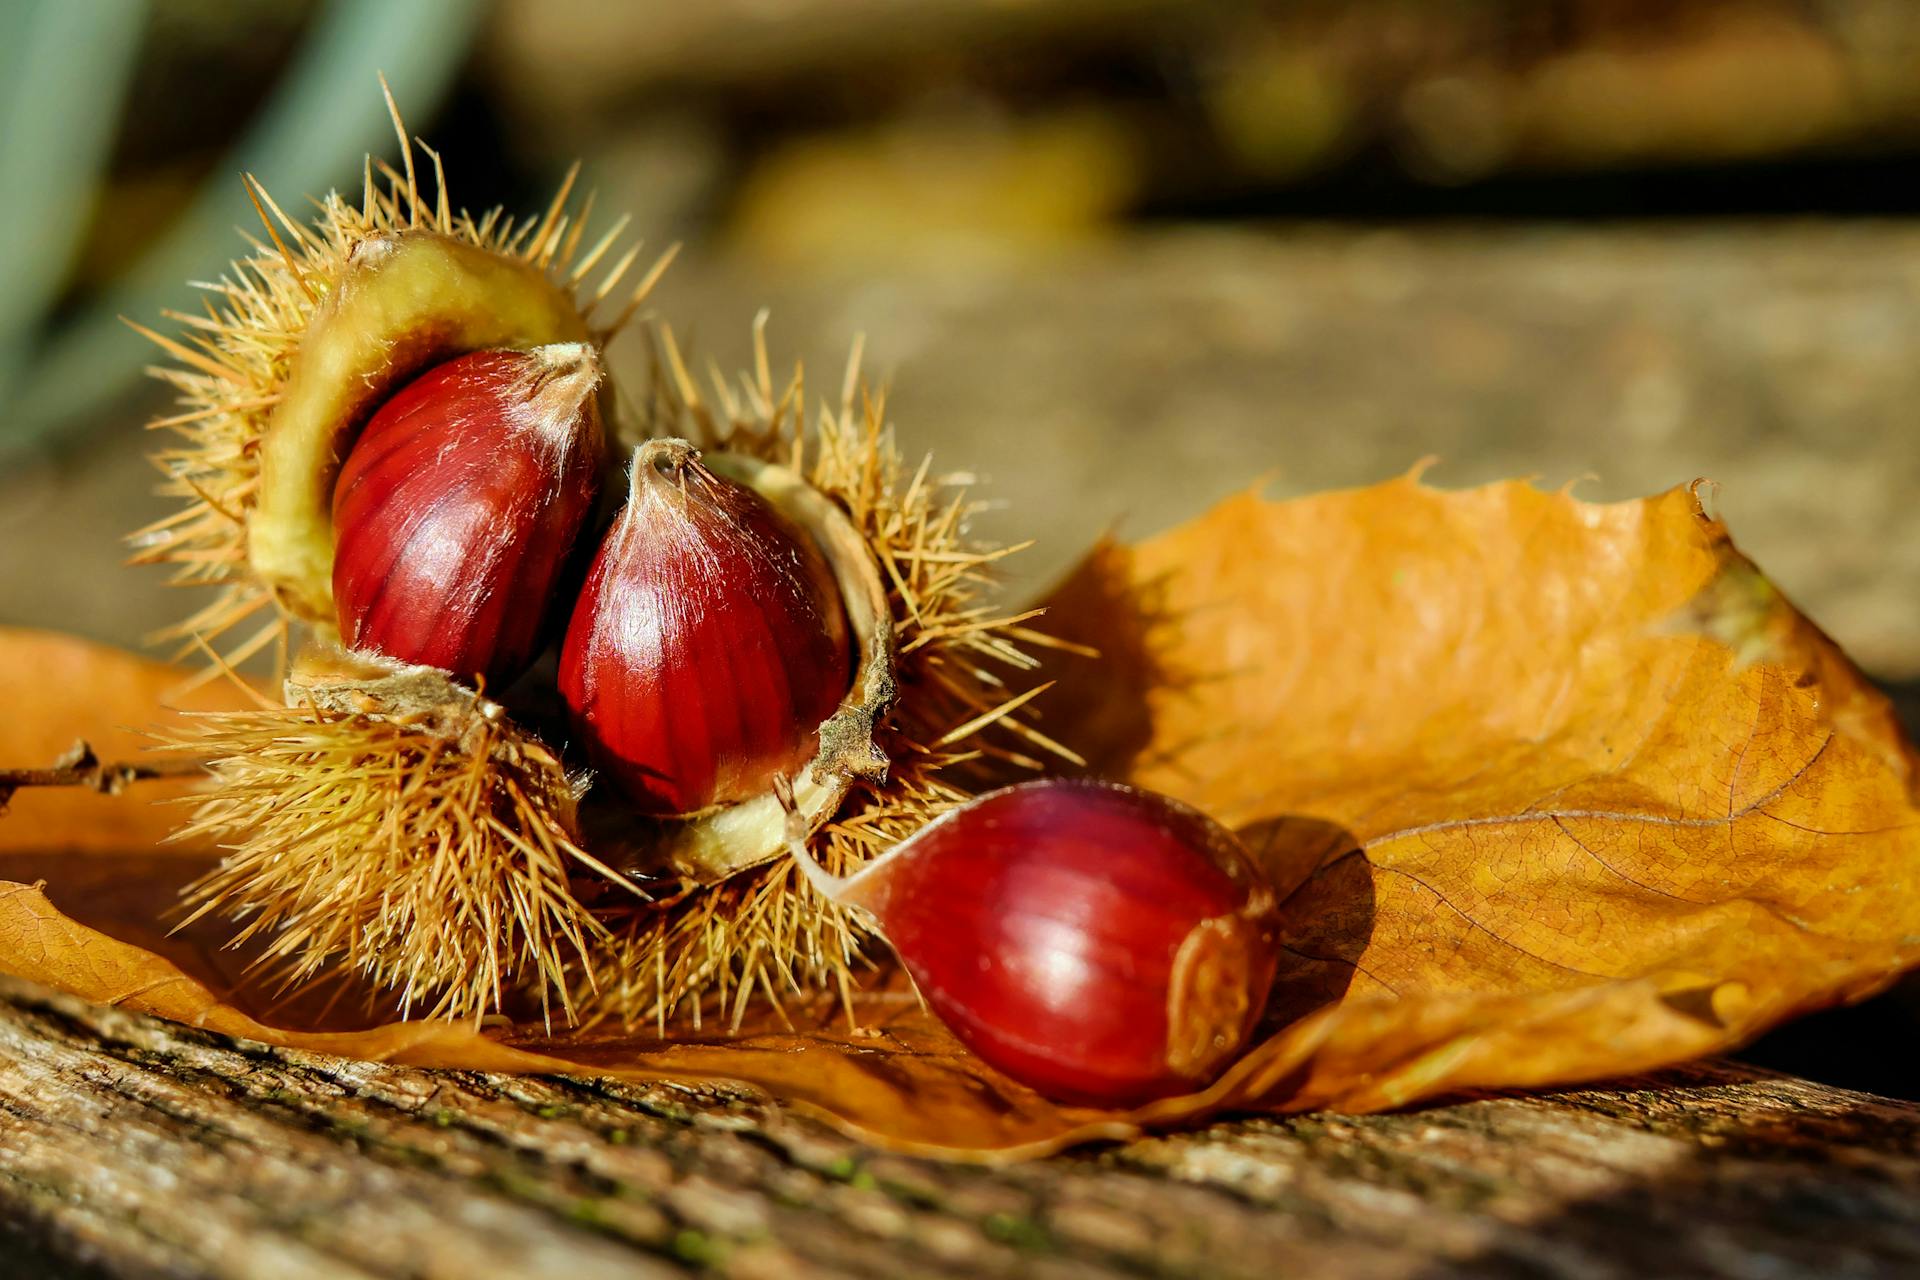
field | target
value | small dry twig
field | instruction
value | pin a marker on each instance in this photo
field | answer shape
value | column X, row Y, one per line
column 78, row 766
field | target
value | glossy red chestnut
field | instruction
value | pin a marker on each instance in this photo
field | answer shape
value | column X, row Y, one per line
column 708, row 644
column 458, row 509
column 1102, row 944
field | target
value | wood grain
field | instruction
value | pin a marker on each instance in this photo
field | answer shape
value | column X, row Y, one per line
column 131, row 1147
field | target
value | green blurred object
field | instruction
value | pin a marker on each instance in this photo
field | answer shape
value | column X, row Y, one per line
column 64, row 68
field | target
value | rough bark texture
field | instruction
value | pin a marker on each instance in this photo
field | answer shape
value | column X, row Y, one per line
column 130, row 1147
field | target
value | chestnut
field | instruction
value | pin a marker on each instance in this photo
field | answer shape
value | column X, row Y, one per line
column 708, row 644
column 457, row 510
column 1102, row 944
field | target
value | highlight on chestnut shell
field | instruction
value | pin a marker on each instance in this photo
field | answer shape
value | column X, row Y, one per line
column 458, row 509
column 1101, row 944
column 708, row 645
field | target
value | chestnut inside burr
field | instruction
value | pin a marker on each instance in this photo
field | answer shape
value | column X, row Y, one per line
column 458, row 509
column 406, row 300
column 709, row 642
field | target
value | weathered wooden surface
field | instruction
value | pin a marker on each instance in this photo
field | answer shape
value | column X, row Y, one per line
column 133, row 1148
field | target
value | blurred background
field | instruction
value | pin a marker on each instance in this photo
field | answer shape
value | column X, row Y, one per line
column 1119, row 257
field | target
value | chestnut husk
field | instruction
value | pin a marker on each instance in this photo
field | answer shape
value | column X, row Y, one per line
column 306, row 338
column 394, row 822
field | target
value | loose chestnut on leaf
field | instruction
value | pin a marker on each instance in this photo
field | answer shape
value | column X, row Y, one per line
column 708, row 644
column 458, row 509
column 1101, row 944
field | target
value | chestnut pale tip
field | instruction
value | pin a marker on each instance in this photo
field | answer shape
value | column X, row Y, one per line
column 560, row 375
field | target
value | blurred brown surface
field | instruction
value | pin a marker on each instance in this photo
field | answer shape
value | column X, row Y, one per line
column 1238, row 98
column 1129, row 382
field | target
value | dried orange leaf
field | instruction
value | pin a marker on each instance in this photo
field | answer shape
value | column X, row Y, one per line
column 1558, row 790
column 1555, row 790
